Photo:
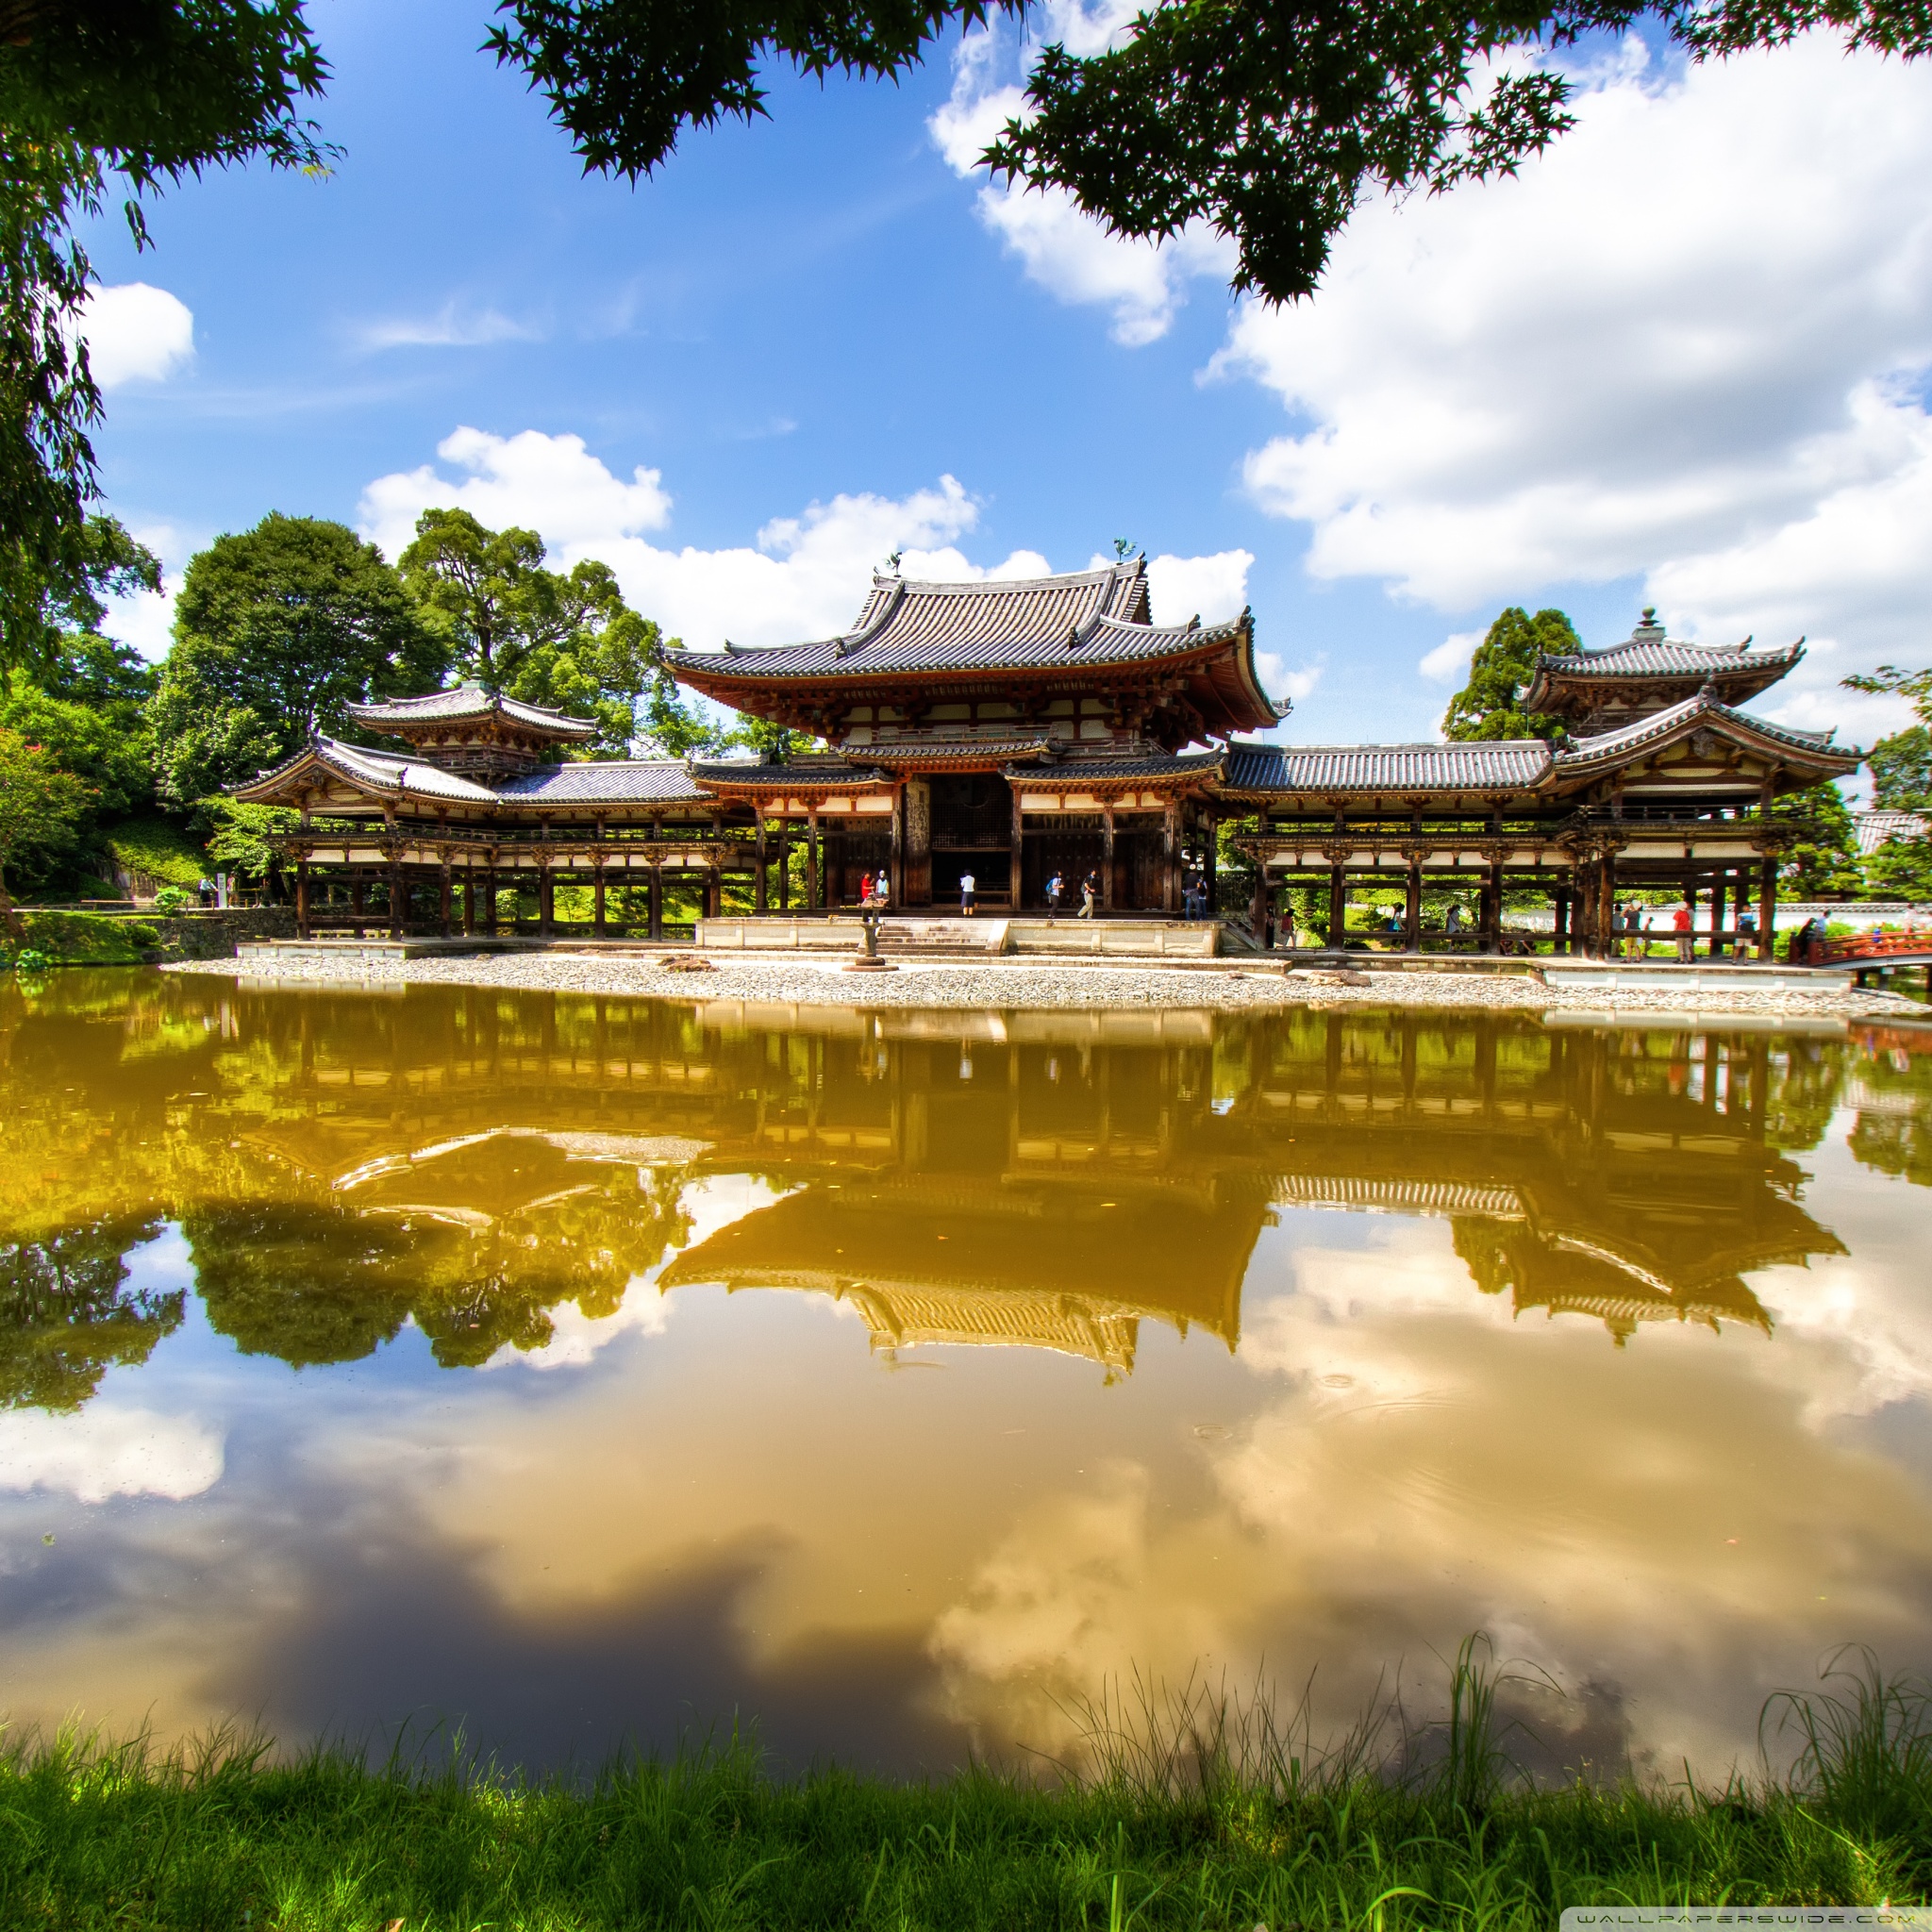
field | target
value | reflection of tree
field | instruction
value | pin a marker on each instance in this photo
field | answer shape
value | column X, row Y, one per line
column 66, row 1317
column 1805, row 1082
column 1895, row 1143
column 331, row 1283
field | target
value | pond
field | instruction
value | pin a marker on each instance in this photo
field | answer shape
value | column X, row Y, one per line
column 569, row 1374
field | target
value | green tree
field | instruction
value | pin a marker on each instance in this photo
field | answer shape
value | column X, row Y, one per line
column 593, row 657
column 1902, row 770
column 1269, row 120
column 1488, row 706
column 39, row 627
column 136, row 93
column 564, row 639
column 277, row 630
column 39, row 805
column 1901, row 869
column 1826, row 859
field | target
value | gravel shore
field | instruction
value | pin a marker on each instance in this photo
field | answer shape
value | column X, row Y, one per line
column 1014, row 985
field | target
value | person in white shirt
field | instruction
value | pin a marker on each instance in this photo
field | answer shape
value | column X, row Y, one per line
column 967, row 884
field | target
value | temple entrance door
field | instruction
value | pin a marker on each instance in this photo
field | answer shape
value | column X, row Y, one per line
column 972, row 831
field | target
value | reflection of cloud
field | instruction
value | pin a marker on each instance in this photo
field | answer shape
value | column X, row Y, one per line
column 1660, row 1521
column 103, row 1451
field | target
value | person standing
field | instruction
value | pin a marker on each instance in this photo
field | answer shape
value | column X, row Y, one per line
column 1288, row 932
column 1089, row 894
column 967, row 884
column 1055, row 887
column 1687, row 940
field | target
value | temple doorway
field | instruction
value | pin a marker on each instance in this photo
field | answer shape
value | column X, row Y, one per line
column 972, row 831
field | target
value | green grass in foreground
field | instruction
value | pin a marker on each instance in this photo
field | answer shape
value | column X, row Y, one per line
column 1209, row 1826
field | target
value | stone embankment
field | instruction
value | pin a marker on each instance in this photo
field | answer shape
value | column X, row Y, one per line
column 1012, row 984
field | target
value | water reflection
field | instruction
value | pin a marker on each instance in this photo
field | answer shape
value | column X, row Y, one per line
column 1248, row 1367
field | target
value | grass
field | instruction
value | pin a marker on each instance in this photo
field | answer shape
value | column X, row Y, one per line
column 88, row 938
column 1195, row 1812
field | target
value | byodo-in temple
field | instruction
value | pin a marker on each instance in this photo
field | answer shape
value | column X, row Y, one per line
column 1018, row 730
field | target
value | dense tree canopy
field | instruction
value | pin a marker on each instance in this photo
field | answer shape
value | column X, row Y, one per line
column 564, row 639
column 275, row 631
column 95, row 93
column 39, row 803
column 1489, row 706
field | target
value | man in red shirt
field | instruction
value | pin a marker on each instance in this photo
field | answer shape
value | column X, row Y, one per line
column 1681, row 920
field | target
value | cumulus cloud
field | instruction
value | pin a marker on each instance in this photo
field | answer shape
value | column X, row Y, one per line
column 136, row 333
column 103, row 1451
column 1687, row 346
column 1449, row 660
column 551, row 484
column 805, row 576
column 1061, row 249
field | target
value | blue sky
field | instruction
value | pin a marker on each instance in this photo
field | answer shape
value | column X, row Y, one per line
column 1681, row 360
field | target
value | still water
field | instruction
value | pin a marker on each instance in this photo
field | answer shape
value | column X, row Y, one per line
column 584, row 1370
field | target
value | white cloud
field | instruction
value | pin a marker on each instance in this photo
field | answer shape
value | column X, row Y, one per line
column 1447, row 662
column 451, row 326
column 551, row 484
column 1684, row 345
column 136, row 333
column 1065, row 252
column 806, row 575
column 1210, row 588
column 103, row 1451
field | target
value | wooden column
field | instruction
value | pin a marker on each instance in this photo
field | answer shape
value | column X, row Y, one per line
column 896, row 872
column 546, row 895
column 760, row 899
column 444, row 897
column 1258, row 910
column 597, row 898
column 1560, row 924
column 1107, row 858
column 302, row 897
column 398, row 897
column 1720, row 916
column 1690, row 905
column 1606, row 907
column 1412, row 910
column 784, row 865
column 811, row 859
column 1171, row 859
column 1210, row 871
column 714, row 892
column 469, row 897
column 1767, row 906
column 657, row 902
column 1017, row 872
column 356, row 906
column 1337, row 902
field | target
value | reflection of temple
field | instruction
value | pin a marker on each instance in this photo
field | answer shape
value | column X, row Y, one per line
column 1626, row 1176
column 466, row 1160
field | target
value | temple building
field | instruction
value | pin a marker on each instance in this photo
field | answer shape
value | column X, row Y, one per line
column 1016, row 731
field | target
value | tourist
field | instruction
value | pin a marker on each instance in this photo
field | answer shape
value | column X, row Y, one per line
column 1090, row 896
column 1288, row 932
column 1687, row 940
column 1634, row 947
column 1747, row 932
column 882, row 892
column 1451, row 920
column 1055, row 887
column 967, row 886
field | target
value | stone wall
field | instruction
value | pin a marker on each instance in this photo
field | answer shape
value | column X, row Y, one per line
column 215, row 935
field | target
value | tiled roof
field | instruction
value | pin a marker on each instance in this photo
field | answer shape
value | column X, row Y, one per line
column 1875, row 828
column 467, row 701
column 912, row 750
column 1069, row 774
column 1609, row 747
column 617, row 781
column 1502, row 765
column 795, row 774
column 408, row 777
column 1648, row 653
column 1092, row 617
